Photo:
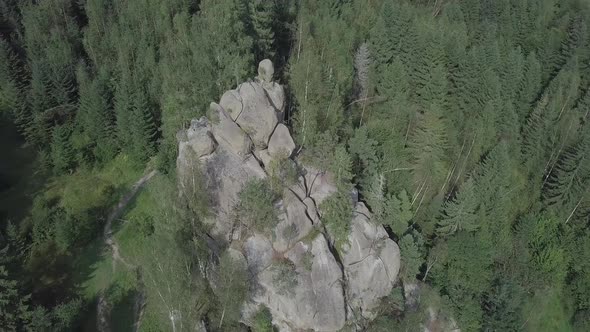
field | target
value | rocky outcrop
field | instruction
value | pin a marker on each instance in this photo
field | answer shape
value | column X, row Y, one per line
column 371, row 263
column 305, row 282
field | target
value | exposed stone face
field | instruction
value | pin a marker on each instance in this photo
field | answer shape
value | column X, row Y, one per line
column 371, row 263
column 199, row 138
column 241, row 139
column 317, row 301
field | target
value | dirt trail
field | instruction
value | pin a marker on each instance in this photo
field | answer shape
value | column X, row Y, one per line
column 103, row 311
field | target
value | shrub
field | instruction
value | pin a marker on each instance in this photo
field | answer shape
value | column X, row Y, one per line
column 256, row 208
column 285, row 277
column 283, row 173
column 262, row 321
column 337, row 214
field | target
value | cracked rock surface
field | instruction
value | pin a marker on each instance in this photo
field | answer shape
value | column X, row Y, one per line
column 323, row 289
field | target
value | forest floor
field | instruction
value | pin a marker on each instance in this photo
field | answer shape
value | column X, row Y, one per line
column 102, row 310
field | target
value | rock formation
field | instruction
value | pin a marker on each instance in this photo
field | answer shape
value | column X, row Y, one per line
column 326, row 289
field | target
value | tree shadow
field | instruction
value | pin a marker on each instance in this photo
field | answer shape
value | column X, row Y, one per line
column 20, row 177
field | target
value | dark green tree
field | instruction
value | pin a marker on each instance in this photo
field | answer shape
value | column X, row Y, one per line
column 62, row 153
column 262, row 16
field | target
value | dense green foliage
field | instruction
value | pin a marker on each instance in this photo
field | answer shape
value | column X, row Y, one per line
column 463, row 124
column 466, row 123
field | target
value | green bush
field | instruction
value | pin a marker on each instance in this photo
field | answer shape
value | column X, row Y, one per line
column 262, row 321
column 337, row 215
column 283, row 173
column 284, row 277
column 256, row 208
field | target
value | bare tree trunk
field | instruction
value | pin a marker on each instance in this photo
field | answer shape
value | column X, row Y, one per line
column 574, row 210
column 222, row 316
column 428, row 267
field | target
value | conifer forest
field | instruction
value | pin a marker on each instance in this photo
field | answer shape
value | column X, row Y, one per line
column 450, row 140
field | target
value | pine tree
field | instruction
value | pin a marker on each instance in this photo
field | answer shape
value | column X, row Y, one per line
column 95, row 116
column 576, row 34
column 8, row 87
column 412, row 253
column 398, row 213
column 62, row 152
column 362, row 63
column 341, row 166
column 14, row 308
column 364, row 152
column 143, row 127
column 262, row 17
column 570, row 180
column 512, row 73
column 530, row 85
column 428, row 146
column 460, row 214
column 226, row 39
column 123, row 102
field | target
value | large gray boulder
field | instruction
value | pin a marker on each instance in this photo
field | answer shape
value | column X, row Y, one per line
column 228, row 133
column 199, row 138
column 231, row 101
column 193, row 143
column 258, row 117
column 266, row 71
column 294, row 225
column 320, row 184
column 371, row 263
column 281, row 143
